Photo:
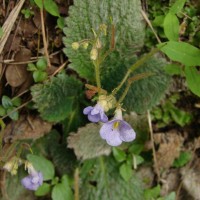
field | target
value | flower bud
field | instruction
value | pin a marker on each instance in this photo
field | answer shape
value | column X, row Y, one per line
column 98, row 44
column 12, row 165
column 85, row 45
column 93, row 54
column 75, row 45
column 107, row 102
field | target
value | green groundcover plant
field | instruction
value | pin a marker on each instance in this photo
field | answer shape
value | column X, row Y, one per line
column 112, row 78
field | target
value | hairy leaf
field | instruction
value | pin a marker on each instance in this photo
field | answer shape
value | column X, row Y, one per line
column 102, row 181
column 49, row 146
column 144, row 93
column 14, row 189
column 87, row 142
column 56, row 98
column 124, row 14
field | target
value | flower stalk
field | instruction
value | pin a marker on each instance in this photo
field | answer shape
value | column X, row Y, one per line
column 134, row 67
column 130, row 81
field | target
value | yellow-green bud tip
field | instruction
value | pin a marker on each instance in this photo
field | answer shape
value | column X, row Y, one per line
column 93, row 54
column 75, row 45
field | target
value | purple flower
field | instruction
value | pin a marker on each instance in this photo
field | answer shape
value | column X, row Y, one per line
column 96, row 113
column 117, row 130
column 32, row 181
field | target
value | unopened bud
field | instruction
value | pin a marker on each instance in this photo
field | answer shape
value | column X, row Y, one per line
column 12, row 165
column 107, row 102
column 93, row 54
column 75, row 45
column 85, row 45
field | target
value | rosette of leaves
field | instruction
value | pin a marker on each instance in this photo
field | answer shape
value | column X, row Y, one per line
column 129, row 39
column 56, row 98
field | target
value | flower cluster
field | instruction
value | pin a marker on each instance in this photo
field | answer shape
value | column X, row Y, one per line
column 33, row 180
column 115, row 131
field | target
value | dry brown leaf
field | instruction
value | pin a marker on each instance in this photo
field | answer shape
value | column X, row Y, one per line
column 17, row 74
column 169, row 149
column 7, row 26
column 27, row 28
column 191, row 182
column 170, row 181
column 27, row 127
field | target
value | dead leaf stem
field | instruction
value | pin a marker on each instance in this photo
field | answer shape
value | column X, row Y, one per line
column 153, row 146
column 44, row 38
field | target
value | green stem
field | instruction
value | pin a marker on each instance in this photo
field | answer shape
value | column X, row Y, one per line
column 97, row 74
column 134, row 67
column 130, row 81
column 124, row 93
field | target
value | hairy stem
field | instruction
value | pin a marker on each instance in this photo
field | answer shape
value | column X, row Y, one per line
column 134, row 67
column 97, row 74
column 130, row 81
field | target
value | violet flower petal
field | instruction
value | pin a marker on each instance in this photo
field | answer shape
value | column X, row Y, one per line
column 87, row 110
column 95, row 114
column 111, row 135
column 94, row 118
column 127, row 134
column 33, row 181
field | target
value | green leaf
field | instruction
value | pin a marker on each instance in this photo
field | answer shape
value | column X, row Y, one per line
column 43, row 190
column 16, row 101
column 41, row 64
column 152, row 193
column 126, row 171
column 179, row 116
column 173, row 69
column 158, row 21
column 14, row 115
column 51, row 7
column 62, row 191
column 139, row 159
column 31, row 67
column 136, row 148
column 119, row 154
column 43, row 165
column 171, row 196
column 56, row 98
column 177, row 6
column 61, row 22
column 2, row 111
column 6, row 102
column 87, row 142
column 183, row 159
column 129, row 33
column 39, row 76
column 51, row 146
column 39, row 3
column 14, row 188
column 153, row 86
column 193, row 79
column 171, row 27
column 182, row 52
column 104, row 182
